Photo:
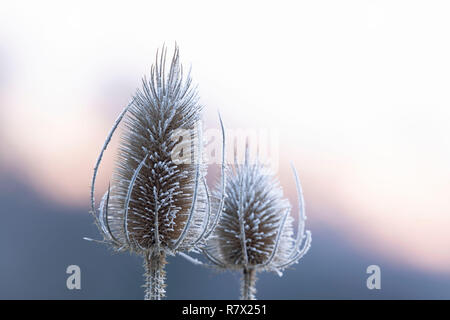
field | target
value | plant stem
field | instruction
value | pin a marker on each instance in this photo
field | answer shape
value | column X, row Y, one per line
column 154, row 263
column 248, row 284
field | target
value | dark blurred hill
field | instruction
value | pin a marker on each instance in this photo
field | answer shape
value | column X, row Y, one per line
column 39, row 239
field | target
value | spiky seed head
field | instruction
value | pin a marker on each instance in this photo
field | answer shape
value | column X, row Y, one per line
column 151, row 195
column 254, row 214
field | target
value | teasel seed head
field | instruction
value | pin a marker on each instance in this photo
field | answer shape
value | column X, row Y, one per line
column 157, row 203
column 255, row 232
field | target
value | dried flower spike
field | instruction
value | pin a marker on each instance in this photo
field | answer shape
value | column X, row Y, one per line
column 157, row 204
column 255, row 231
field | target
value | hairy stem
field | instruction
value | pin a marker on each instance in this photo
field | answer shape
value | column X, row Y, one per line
column 248, row 284
column 155, row 275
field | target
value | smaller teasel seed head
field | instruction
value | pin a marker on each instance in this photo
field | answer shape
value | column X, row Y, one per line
column 255, row 231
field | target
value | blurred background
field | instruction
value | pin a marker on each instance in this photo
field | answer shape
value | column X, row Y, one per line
column 358, row 91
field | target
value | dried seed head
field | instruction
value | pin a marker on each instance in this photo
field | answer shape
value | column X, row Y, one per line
column 255, row 231
column 156, row 200
column 253, row 211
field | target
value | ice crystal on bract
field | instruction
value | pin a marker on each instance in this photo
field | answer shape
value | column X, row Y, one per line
column 157, row 203
column 255, row 231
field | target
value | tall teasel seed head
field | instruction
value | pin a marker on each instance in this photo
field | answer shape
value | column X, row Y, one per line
column 152, row 193
column 255, row 232
column 157, row 202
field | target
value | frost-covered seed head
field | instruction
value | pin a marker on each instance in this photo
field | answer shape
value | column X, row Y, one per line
column 150, row 203
column 254, row 214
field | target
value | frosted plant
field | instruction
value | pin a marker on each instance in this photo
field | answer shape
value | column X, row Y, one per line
column 157, row 205
column 255, row 231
